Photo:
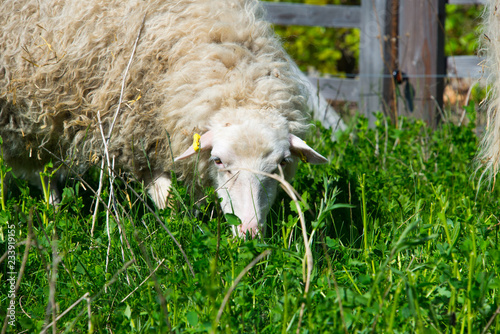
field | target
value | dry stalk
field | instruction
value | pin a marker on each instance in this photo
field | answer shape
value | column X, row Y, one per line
column 98, row 195
column 53, row 323
column 23, row 263
column 308, row 257
column 89, row 299
column 159, row 291
column 22, row 309
column 235, row 283
column 51, row 307
column 497, row 312
column 466, row 103
column 124, row 79
column 110, row 167
column 161, row 223
column 89, row 312
column 120, row 229
column 147, row 278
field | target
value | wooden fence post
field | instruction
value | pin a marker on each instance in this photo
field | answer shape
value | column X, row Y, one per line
column 391, row 61
column 421, row 56
column 371, row 63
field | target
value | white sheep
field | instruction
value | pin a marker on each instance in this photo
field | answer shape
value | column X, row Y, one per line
column 205, row 66
column 489, row 154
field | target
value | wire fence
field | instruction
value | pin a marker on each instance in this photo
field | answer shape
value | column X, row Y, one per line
column 396, row 38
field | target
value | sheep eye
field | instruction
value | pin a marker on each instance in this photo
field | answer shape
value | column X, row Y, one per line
column 285, row 161
column 217, row 161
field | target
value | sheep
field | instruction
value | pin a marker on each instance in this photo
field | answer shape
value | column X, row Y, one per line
column 489, row 152
column 207, row 69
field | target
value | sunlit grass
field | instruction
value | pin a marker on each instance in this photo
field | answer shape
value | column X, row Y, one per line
column 402, row 241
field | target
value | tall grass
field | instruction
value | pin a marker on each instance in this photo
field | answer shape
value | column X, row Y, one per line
column 401, row 238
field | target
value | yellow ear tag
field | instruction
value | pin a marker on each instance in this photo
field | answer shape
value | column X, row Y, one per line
column 196, row 142
column 302, row 157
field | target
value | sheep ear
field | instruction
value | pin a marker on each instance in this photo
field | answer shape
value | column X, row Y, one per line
column 299, row 148
column 205, row 143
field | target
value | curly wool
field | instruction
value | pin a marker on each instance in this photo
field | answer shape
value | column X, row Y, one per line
column 489, row 154
column 197, row 63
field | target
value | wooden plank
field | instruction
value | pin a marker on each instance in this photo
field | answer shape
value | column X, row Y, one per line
column 421, row 57
column 464, row 67
column 337, row 89
column 371, row 63
column 467, row 2
column 312, row 15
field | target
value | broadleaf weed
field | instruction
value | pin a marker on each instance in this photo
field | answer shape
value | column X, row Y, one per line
column 402, row 242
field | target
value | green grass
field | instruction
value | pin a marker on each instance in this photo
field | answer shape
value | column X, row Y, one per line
column 402, row 242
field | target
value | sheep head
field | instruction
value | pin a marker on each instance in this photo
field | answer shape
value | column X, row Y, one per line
column 237, row 152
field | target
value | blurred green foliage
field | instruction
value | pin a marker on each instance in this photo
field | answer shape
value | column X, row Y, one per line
column 326, row 50
column 463, row 27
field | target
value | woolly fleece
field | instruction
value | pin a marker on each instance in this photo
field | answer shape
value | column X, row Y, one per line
column 198, row 64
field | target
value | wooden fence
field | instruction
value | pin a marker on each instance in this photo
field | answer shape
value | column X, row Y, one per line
column 415, row 46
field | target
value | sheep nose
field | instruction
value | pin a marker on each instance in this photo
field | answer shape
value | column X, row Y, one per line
column 252, row 226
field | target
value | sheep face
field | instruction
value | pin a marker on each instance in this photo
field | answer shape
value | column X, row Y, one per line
column 240, row 154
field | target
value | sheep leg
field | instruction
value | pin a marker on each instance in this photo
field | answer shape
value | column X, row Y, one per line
column 55, row 195
column 159, row 190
